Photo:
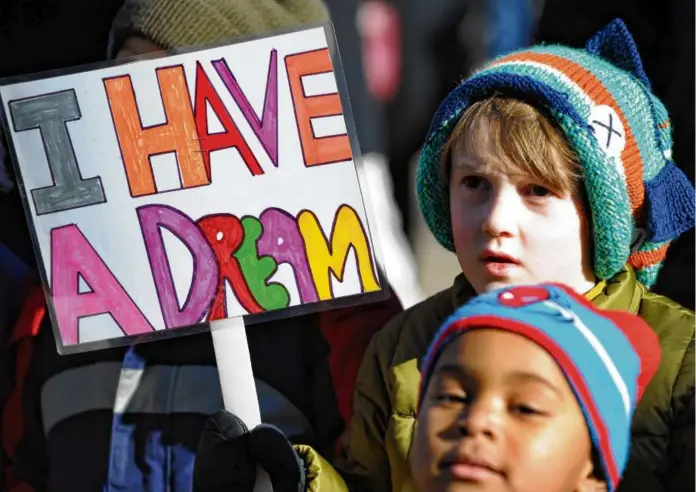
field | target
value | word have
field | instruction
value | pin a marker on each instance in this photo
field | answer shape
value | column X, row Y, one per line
column 185, row 131
column 243, row 252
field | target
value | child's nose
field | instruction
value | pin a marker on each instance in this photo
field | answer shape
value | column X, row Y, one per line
column 501, row 214
column 481, row 418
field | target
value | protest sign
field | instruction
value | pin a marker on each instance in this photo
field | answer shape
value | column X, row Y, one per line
column 170, row 192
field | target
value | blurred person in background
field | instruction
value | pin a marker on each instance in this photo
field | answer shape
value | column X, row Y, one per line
column 368, row 38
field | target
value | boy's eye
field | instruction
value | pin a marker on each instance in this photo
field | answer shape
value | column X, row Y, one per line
column 451, row 398
column 528, row 410
column 538, row 191
column 473, row 182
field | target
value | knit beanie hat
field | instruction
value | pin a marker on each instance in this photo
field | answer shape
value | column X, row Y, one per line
column 608, row 357
column 181, row 23
column 602, row 100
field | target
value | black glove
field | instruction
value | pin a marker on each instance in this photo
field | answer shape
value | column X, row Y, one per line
column 228, row 453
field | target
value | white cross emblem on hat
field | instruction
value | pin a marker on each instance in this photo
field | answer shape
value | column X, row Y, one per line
column 608, row 130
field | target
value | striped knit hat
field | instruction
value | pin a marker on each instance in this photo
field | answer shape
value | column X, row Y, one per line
column 182, row 23
column 601, row 99
column 608, row 357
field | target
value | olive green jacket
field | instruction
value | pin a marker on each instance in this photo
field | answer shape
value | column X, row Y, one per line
column 378, row 440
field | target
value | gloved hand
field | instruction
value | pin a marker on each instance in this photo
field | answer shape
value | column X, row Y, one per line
column 228, row 453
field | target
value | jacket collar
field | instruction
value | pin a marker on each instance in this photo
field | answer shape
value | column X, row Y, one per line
column 461, row 291
column 622, row 292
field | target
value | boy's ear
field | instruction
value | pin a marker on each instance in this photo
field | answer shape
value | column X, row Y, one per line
column 588, row 481
column 592, row 485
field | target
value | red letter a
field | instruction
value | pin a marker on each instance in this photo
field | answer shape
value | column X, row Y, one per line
column 231, row 137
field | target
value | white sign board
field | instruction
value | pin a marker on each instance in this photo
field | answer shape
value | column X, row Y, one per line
column 170, row 192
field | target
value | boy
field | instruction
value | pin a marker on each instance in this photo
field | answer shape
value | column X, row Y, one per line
column 549, row 165
column 530, row 389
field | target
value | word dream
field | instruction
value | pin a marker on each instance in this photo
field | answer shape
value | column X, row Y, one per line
column 224, row 247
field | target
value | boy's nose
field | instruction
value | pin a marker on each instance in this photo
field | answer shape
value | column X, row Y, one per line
column 481, row 418
column 501, row 214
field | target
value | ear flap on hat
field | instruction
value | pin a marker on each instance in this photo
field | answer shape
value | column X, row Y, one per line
column 645, row 343
column 670, row 197
column 616, row 45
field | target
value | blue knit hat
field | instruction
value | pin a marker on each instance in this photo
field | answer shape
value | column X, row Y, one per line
column 608, row 357
column 601, row 99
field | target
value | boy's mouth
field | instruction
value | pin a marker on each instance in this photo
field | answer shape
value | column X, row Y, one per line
column 498, row 264
column 489, row 256
column 470, row 469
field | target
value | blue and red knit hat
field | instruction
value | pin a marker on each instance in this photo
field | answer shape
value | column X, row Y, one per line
column 608, row 357
column 601, row 98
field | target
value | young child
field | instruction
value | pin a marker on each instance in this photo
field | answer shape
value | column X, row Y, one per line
column 550, row 164
column 530, row 389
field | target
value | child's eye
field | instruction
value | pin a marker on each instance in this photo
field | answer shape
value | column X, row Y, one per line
column 451, row 398
column 538, row 191
column 528, row 410
column 473, row 182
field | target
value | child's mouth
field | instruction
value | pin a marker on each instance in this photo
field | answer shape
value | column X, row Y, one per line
column 471, row 470
column 499, row 265
column 471, row 473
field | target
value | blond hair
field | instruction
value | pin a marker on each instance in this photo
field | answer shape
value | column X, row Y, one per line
column 513, row 137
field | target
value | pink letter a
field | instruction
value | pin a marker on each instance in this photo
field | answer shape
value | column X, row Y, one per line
column 71, row 257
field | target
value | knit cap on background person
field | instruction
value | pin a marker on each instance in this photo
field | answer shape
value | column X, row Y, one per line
column 601, row 99
column 608, row 357
column 181, row 23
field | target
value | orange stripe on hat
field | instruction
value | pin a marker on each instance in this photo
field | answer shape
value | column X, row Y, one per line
column 595, row 90
column 642, row 259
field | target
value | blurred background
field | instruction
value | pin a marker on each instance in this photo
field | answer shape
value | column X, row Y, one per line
column 401, row 57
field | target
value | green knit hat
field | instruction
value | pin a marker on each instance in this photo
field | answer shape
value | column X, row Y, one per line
column 601, row 99
column 182, row 23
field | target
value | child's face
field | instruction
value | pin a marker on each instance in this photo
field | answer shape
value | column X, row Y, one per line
column 486, row 424
column 512, row 230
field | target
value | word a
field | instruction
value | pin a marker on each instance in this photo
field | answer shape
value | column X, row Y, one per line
column 244, row 252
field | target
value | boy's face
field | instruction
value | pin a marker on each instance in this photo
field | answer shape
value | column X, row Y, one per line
column 512, row 230
column 487, row 424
